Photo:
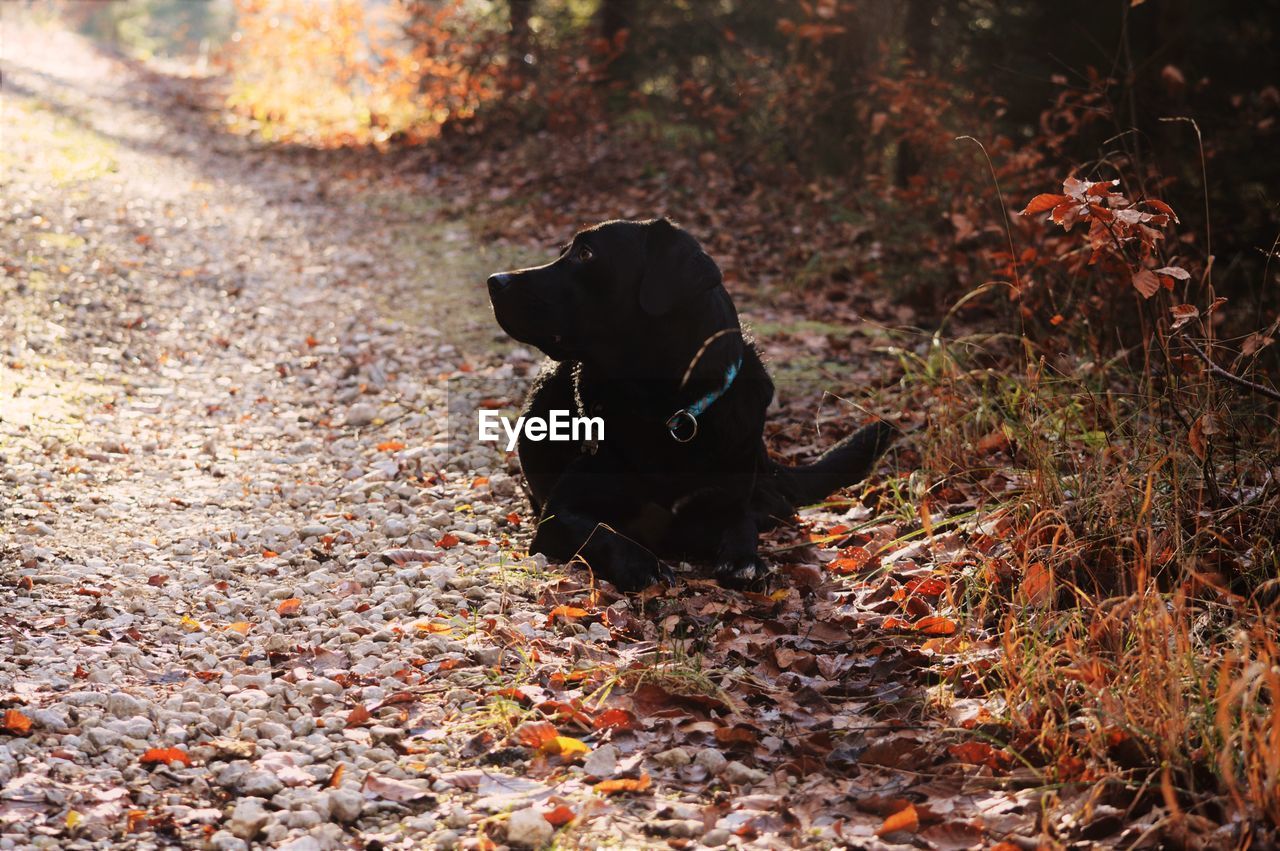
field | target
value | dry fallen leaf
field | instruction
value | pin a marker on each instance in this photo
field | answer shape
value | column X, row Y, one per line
column 16, row 723
column 535, row 734
column 565, row 747
column 904, row 819
column 164, row 756
column 401, row 791
column 623, row 784
column 560, row 816
column 288, row 607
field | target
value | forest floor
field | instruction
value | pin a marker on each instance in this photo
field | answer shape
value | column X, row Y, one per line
column 255, row 593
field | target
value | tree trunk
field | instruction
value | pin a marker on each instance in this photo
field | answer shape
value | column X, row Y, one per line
column 918, row 35
column 518, row 36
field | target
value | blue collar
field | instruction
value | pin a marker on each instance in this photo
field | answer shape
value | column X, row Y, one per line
column 687, row 417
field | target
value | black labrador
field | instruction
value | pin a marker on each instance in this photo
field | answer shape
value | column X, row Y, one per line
column 642, row 334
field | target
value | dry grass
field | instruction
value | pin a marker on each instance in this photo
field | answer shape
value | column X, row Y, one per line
column 1129, row 582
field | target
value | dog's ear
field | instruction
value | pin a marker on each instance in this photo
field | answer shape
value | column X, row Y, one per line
column 675, row 268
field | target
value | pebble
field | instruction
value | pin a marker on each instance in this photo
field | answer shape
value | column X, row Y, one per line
column 361, row 414
column 673, row 758
column 716, row 837
column 712, row 760
column 739, row 774
column 345, row 805
column 248, row 817
column 528, row 829
column 601, row 762
column 262, row 784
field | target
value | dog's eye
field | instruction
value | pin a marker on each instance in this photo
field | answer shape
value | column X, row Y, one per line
column 584, row 253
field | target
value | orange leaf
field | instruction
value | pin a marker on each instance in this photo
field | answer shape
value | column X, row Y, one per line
column 390, row 446
column 513, row 519
column 560, row 816
column 164, row 756
column 1043, row 203
column 623, row 784
column 15, row 722
column 978, row 753
column 616, row 719
column 269, row 553
column 566, row 613
column 358, row 716
column 335, row 779
column 904, row 819
column 480, row 481
column 288, row 607
column 535, row 734
column 935, row 625
column 448, row 541
column 241, row 627
column 1037, row 583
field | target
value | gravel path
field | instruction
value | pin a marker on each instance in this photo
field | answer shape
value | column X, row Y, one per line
column 252, row 595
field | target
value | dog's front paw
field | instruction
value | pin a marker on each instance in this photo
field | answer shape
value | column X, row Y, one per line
column 747, row 570
column 631, row 567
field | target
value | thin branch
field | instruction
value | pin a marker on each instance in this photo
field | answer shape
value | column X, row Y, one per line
column 1260, row 389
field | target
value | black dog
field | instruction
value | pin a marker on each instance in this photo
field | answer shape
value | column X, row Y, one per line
column 643, row 335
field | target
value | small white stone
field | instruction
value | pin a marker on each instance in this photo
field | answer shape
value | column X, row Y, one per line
column 712, row 760
column 361, row 414
column 345, row 805
column 528, row 829
column 674, row 758
column 601, row 762
column 739, row 774
column 248, row 818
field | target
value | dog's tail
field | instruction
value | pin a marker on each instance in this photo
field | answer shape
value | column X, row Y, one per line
column 846, row 463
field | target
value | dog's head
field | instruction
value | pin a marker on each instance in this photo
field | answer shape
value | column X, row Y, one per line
column 607, row 291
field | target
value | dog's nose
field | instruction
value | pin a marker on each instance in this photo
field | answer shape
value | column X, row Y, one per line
column 499, row 282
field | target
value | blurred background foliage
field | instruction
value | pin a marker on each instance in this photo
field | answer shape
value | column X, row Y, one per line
column 845, row 110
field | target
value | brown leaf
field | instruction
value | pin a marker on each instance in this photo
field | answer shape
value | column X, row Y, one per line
column 1043, row 203
column 1146, row 282
column 288, row 607
column 391, row 789
column 403, row 556
column 1037, row 583
column 448, row 541
column 1205, row 426
column 1174, row 272
column 358, row 716
column 1162, row 207
column 1182, row 314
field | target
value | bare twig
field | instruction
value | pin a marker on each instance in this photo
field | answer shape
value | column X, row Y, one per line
column 1260, row 389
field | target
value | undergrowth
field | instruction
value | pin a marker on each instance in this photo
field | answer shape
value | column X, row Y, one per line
column 1129, row 509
